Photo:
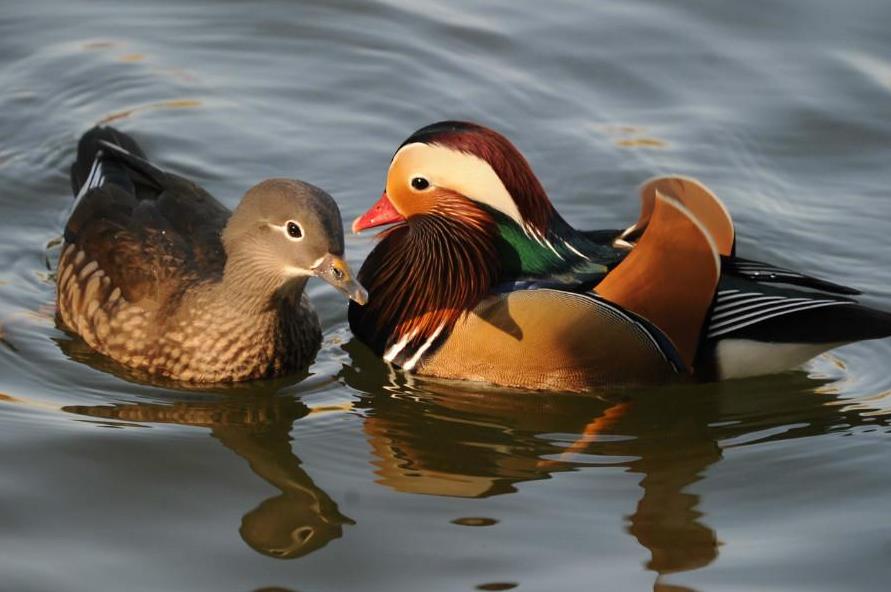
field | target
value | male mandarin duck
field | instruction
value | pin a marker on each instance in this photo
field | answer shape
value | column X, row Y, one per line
column 480, row 278
column 158, row 275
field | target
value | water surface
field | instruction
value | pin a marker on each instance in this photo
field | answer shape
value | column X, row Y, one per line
column 355, row 478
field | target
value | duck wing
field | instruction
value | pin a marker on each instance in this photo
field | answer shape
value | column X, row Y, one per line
column 694, row 196
column 746, row 309
column 151, row 232
column 710, row 211
column 758, row 328
column 763, row 318
column 670, row 276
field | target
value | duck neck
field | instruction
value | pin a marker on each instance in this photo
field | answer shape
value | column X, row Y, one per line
column 547, row 251
column 256, row 289
column 421, row 278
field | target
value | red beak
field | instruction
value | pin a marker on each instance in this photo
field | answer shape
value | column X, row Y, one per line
column 380, row 213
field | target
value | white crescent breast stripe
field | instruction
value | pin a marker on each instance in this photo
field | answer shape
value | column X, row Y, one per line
column 415, row 358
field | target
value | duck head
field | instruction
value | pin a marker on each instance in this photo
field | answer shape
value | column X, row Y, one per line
column 283, row 232
column 451, row 168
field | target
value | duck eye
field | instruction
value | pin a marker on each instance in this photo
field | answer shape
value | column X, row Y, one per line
column 420, row 183
column 294, row 230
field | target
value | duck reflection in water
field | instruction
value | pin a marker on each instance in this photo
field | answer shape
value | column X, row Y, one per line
column 447, row 439
column 256, row 427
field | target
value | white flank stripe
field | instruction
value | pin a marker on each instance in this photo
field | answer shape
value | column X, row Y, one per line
column 416, row 358
column 729, row 297
column 723, row 305
column 778, row 307
column 758, row 319
column 771, row 303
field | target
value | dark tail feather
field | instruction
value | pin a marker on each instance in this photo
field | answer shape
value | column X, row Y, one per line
column 90, row 144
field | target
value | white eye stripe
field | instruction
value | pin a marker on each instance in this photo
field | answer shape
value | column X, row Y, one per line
column 477, row 179
column 295, row 271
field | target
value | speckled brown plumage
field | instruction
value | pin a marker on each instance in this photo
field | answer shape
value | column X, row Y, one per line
column 155, row 274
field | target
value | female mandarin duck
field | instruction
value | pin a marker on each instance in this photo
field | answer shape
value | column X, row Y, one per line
column 481, row 279
column 158, row 275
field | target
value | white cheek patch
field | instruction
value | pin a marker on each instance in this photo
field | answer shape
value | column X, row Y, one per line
column 460, row 172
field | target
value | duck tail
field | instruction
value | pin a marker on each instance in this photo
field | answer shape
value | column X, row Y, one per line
column 89, row 147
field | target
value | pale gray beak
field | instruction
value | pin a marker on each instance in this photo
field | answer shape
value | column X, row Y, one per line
column 336, row 272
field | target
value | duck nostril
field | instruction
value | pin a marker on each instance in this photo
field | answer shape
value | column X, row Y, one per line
column 337, row 273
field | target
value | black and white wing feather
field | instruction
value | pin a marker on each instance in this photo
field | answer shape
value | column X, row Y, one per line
column 780, row 314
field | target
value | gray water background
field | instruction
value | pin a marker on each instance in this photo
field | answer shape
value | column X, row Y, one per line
column 363, row 480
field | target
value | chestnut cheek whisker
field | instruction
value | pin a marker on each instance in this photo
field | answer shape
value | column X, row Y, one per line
column 448, row 259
